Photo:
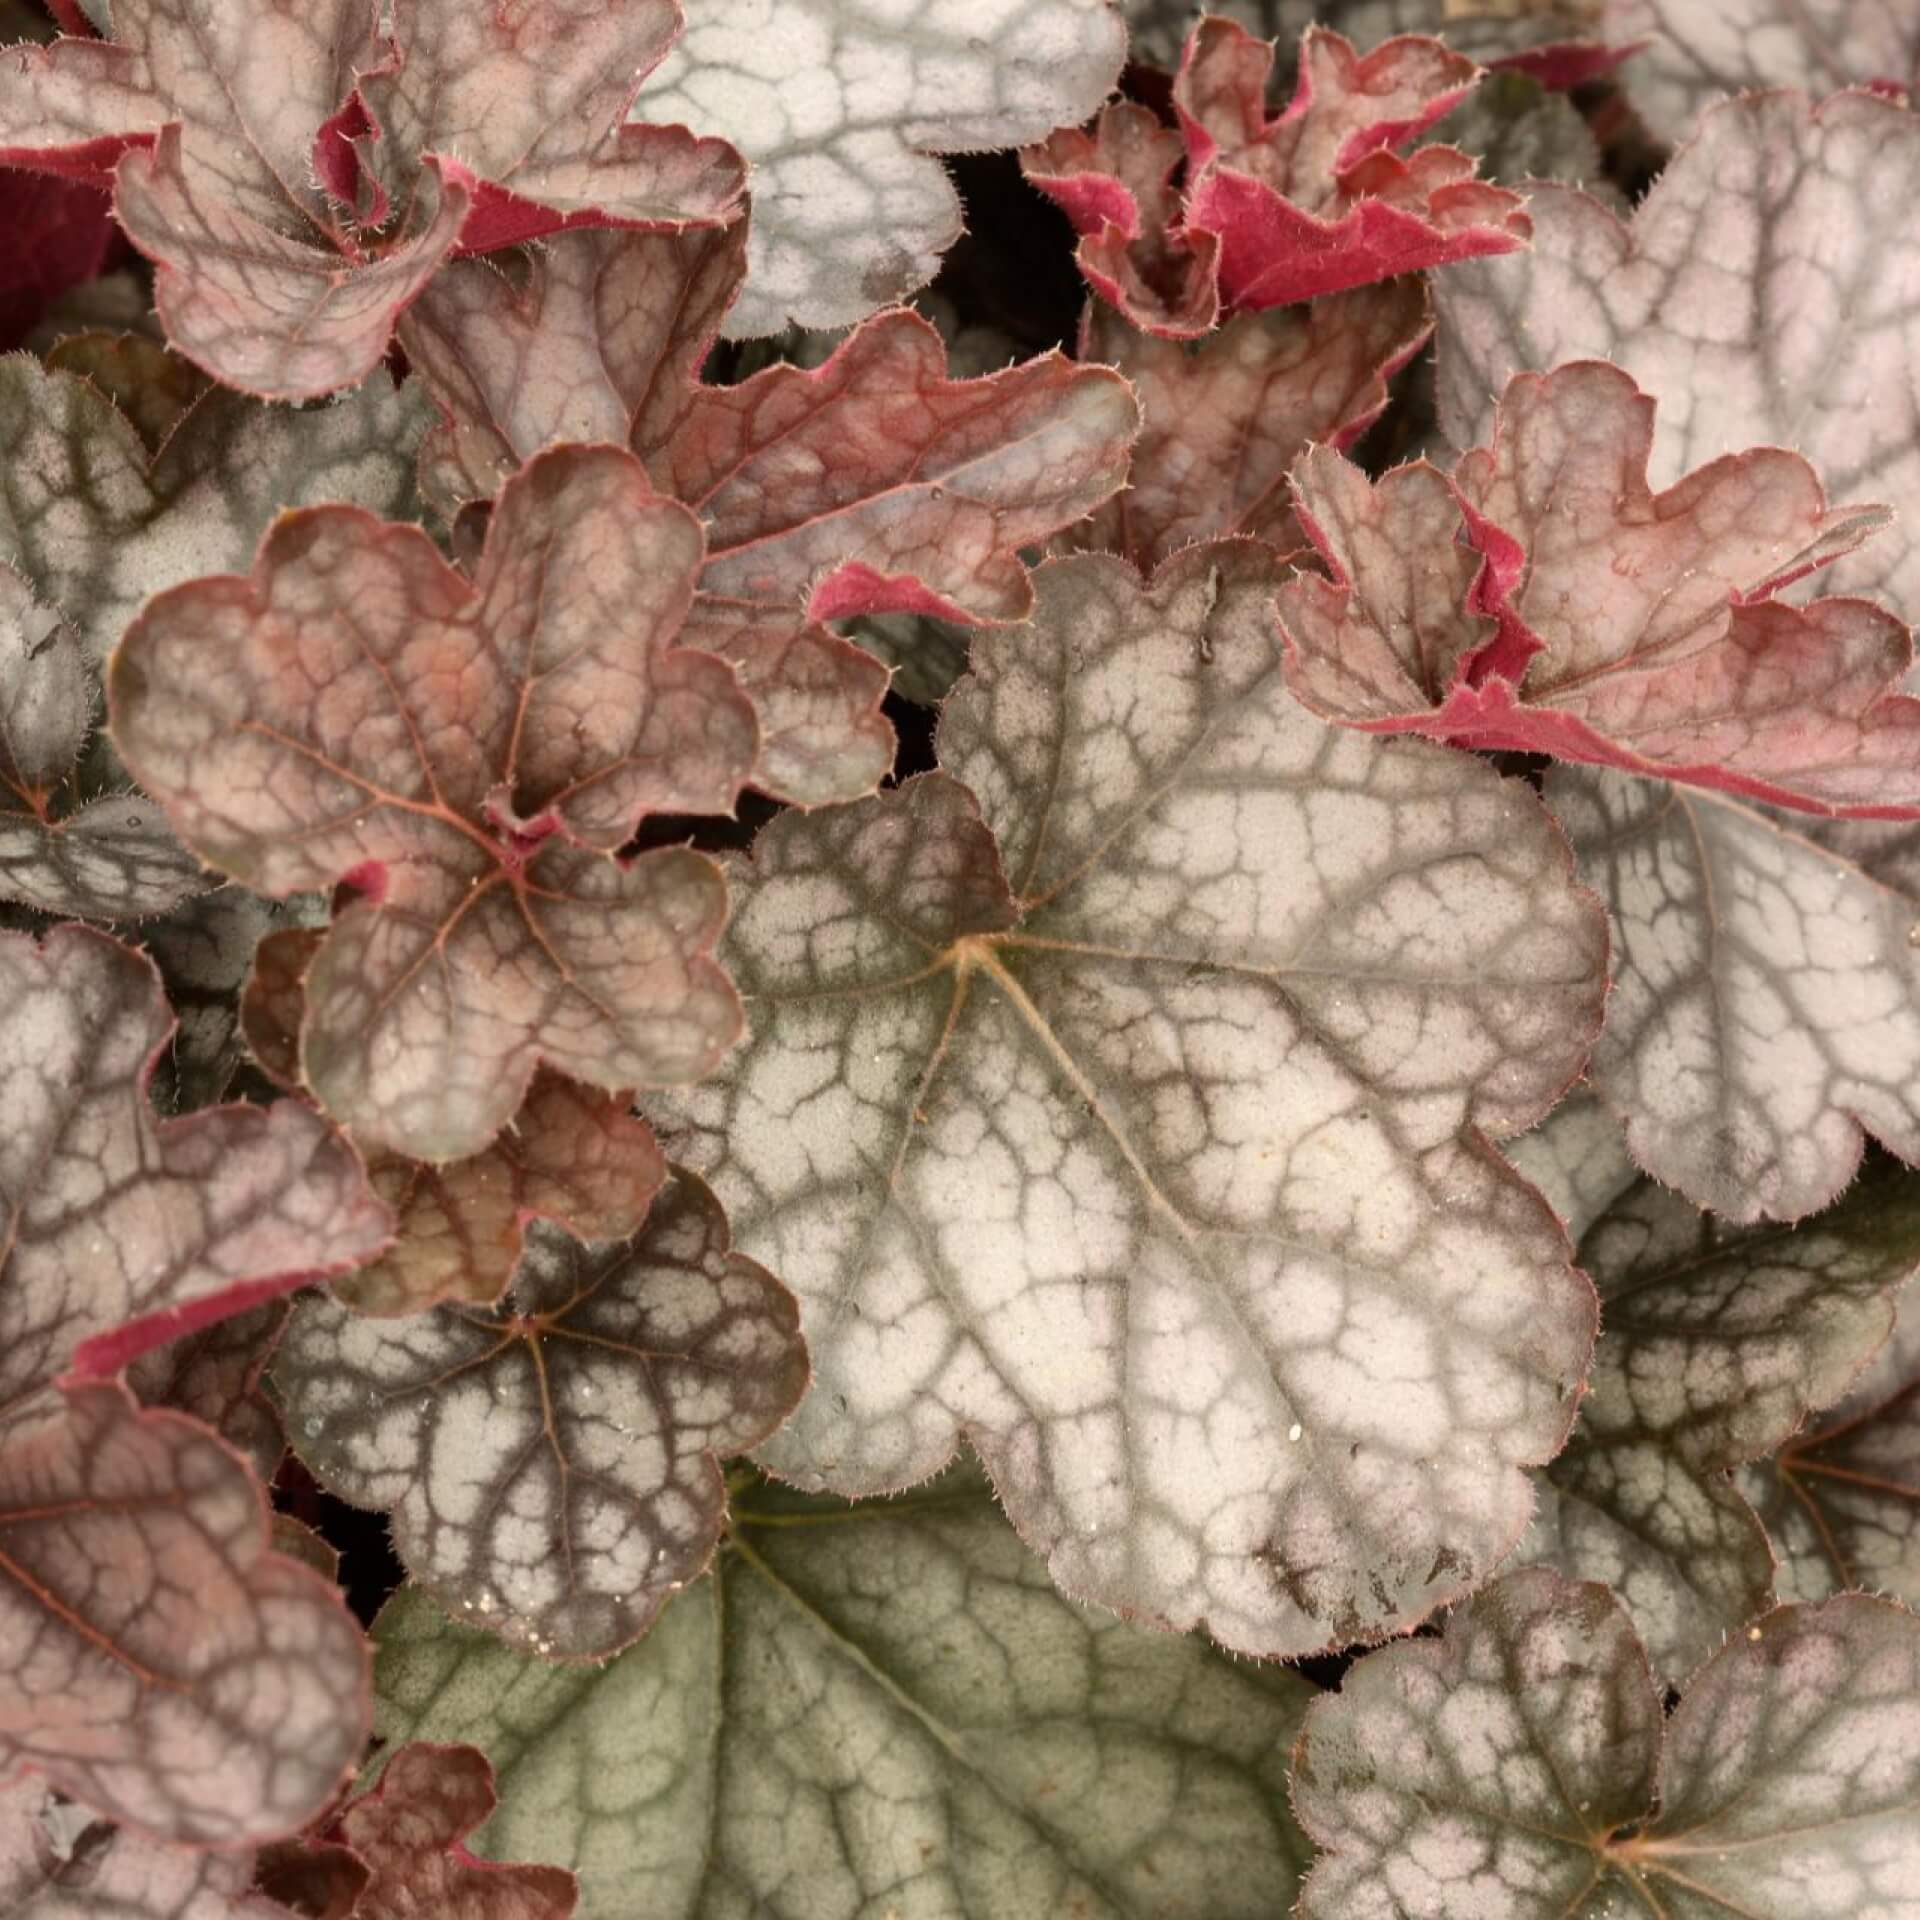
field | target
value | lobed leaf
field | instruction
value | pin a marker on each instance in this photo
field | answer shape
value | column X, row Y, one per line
column 1765, row 1012
column 872, row 483
column 1692, row 54
column 1122, row 1109
column 578, row 1159
column 1716, row 1343
column 887, row 1704
column 552, row 1467
column 837, row 104
column 1226, row 418
column 1760, row 290
column 161, row 1664
column 411, row 1832
column 1542, row 597
column 258, row 157
column 121, row 1231
column 1522, row 1759
column 470, row 755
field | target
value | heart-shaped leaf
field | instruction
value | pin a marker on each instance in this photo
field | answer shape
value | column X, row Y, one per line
column 1225, row 418
column 157, row 1661
column 887, row 1704
column 837, row 104
column 411, row 1832
column 1716, row 1341
column 552, row 1468
column 470, row 755
column 291, row 172
column 120, row 1231
column 579, row 1159
column 870, row 483
column 1521, row 1763
column 1541, row 597
column 1766, row 1000
column 1758, row 290
column 1125, row 1111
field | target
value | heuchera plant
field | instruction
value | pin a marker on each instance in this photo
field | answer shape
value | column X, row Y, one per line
column 1100, row 1099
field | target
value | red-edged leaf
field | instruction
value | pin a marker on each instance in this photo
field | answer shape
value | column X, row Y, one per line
column 53, row 235
column 1543, row 597
column 1225, row 418
column 470, row 756
column 121, row 1231
column 579, row 1159
column 214, row 1374
column 411, row 1830
column 156, row 1659
column 1315, row 199
column 249, row 146
column 869, row 484
column 552, row 1468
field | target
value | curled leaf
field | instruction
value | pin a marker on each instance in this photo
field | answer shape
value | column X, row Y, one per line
column 1125, row 1111
column 552, row 1468
column 470, row 755
column 1542, row 597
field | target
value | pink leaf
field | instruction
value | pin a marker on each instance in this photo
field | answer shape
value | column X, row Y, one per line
column 160, row 1663
column 256, row 152
column 122, row 1232
column 53, row 235
column 468, row 757
column 411, row 1832
column 1542, row 597
column 869, row 484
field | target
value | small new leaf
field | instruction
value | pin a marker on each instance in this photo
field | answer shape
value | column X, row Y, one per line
column 469, row 756
column 552, row 1468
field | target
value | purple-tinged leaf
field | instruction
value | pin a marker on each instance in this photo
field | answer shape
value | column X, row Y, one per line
column 837, row 105
column 469, row 756
column 255, row 155
column 1124, row 1109
column 1760, row 291
column 97, row 523
column 871, row 484
column 160, row 1663
column 411, row 1832
column 1518, row 1768
column 552, row 1468
column 1716, row 1342
column 1315, row 199
column 1225, row 418
column 1695, row 51
column 121, row 1231
column 1541, row 597
column 579, row 1159
column 214, row 1373
column 60, row 1862
column 54, row 234
column 1766, row 997
column 108, row 856
column 1017, row 1755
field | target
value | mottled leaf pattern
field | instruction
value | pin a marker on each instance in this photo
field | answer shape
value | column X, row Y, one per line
column 1763, row 291
column 872, row 483
column 837, row 104
column 160, row 1663
column 552, row 1467
column 255, row 155
column 1716, row 1341
column 1095, row 1107
column 1766, row 991
column 1541, row 597
column 1524, row 1755
column 882, row 1706
column 1225, row 418
column 411, row 1832
column 120, row 1231
column 471, row 755
column 214, row 1374
column 580, row 1159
